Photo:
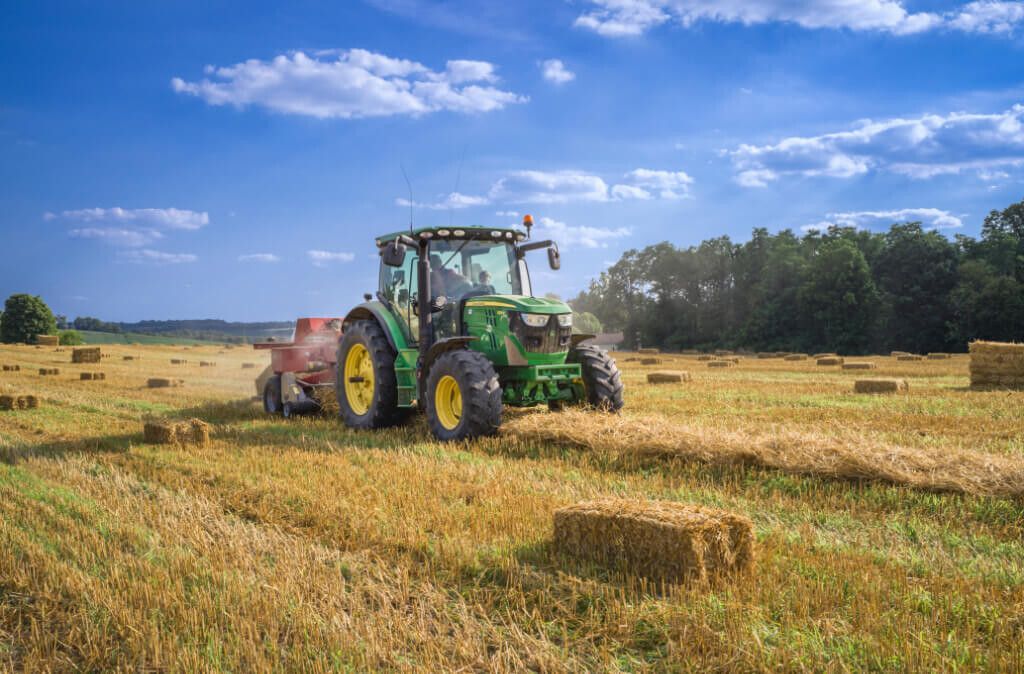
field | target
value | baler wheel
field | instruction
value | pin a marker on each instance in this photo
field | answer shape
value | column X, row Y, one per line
column 272, row 395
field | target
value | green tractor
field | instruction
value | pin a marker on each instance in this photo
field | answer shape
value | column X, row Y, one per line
column 456, row 331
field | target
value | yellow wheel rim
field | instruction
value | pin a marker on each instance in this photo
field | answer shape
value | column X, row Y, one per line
column 359, row 381
column 448, row 402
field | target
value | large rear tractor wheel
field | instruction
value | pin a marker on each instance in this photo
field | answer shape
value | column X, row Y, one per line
column 272, row 395
column 366, row 386
column 463, row 396
column 602, row 380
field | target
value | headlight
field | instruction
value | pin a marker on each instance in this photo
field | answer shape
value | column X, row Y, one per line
column 565, row 320
column 535, row 320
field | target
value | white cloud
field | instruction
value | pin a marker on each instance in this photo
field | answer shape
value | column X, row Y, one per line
column 569, row 236
column 554, row 71
column 548, row 187
column 988, row 16
column 662, row 184
column 149, row 256
column 936, row 218
column 164, row 218
column 921, row 147
column 349, row 84
column 321, row 258
column 625, row 18
column 455, row 201
column 507, row 214
column 259, row 257
column 118, row 236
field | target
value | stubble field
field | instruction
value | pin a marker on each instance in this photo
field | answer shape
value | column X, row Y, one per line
column 890, row 528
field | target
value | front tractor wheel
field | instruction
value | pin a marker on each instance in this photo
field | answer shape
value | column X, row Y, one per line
column 463, row 396
column 602, row 380
column 366, row 386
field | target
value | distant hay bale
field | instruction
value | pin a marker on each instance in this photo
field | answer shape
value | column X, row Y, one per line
column 12, row 368
column 631, row 360
column 830, row 360
column 724, row 352
column 897, row 354
column 30, row 402
column 667, row 377
column 249, row 366
column 721, row 363
column 939, row 356
column 648, row 352
column 164, row 432
column 766, row 356
column 91, row 354
column 997, row 365
column 660, row 540
column 859, row 366
column 880, row 386
column 7, row 402
column 127, row 357
column 161, row 382
column 47, row 340
column 12, row 402
column 796, row 356
column 825, row 355
column 178, row 361
column 48, row 371
column 650, row 361
column 909, row 357
column 705, row 357
column 92, row 376
column 207, row 363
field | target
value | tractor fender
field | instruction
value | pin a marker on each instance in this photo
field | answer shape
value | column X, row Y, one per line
column 579, row 339
column 444, row 346
column 376, row 311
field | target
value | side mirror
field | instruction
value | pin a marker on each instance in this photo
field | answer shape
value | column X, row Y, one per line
column 393, row 254
column 554, row 257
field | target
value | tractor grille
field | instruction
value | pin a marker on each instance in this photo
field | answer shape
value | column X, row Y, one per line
column 551, row 338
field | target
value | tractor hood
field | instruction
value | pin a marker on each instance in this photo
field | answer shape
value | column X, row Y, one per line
column 529, row 305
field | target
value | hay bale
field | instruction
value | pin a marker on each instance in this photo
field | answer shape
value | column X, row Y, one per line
column 724, row 352
column 249, row 366
column 92, row 376
column 48, row 371
column 830, row 360
column 30, row 402
column 47, row 340
column 11, row 402
column 12, row 368
column 880, row 386
column 163, row 432
column 766, row 356
column 127, row 357
column 667, row 377
column 160, row 432
column 85, row 376
column 997, row 365
column 897, row 354
column 648, row 352
column 796, row 356
column 161, row 382
column 631, row 360
column 910, row 357
column 939, row 356
column 207, row 363
column 825, row 355
column 650, row 361
column 7, row 402
column 90, row 354
column 179, row 361
column 705, row 357
column 721, row 363
column 859, row 366
column 660, row 540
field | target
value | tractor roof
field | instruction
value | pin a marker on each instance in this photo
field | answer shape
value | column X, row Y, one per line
column 489, row 233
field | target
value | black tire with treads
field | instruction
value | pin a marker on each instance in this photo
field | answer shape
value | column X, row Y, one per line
column 384, row 410
column 272, row 395
column 480, row 390
column 601, row 377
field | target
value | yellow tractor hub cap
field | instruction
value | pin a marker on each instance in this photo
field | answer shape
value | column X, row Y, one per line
column 448, row 402
column 359, row 379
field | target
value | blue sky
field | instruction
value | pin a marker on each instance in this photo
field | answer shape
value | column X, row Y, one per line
column 235, row 159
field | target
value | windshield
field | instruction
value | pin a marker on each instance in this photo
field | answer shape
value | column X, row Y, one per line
column 462, row 267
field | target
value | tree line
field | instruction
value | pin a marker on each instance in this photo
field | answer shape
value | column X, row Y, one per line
column 844, row 289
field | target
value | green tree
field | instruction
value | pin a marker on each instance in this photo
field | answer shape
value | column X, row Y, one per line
column 71, row 338
column 839, row 299
column 586, row 323
column 26, row 316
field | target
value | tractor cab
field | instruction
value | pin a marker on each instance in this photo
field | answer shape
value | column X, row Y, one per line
column 456, row 331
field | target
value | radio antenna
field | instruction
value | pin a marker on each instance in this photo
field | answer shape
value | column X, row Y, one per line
column 458, row 179
column 409, row 185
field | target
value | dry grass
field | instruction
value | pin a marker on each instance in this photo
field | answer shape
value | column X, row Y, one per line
column 302, row 546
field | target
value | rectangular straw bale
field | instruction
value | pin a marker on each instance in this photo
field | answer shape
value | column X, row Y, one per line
column 249, row 366
column 723, row 352
column 830, row 360
column 194, row 431
column 650, row 361
column 12, row 368
column 661, row 540
column 796, row 356
column 207, row 363
column 648, row 352
column 7, row 402
column 178, row 361
column 705, row 357
column 127, row 357
column 93, row 376
column 825, row 355
column 859, row 366
column 161, row 382
column 765, row 356
column 897, row 354
column 939, row 356
column 721, row 363
column 90, row 354
column 47, row 340
column 31, row 402
column 909, row 357
column 880, row 386
column 667, row 377
column 48, row 371
column 997, row 365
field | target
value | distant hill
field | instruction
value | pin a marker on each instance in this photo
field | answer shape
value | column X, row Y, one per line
column 94, row 337
column 211, row 329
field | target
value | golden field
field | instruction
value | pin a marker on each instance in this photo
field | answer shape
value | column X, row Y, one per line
column 889, row 528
